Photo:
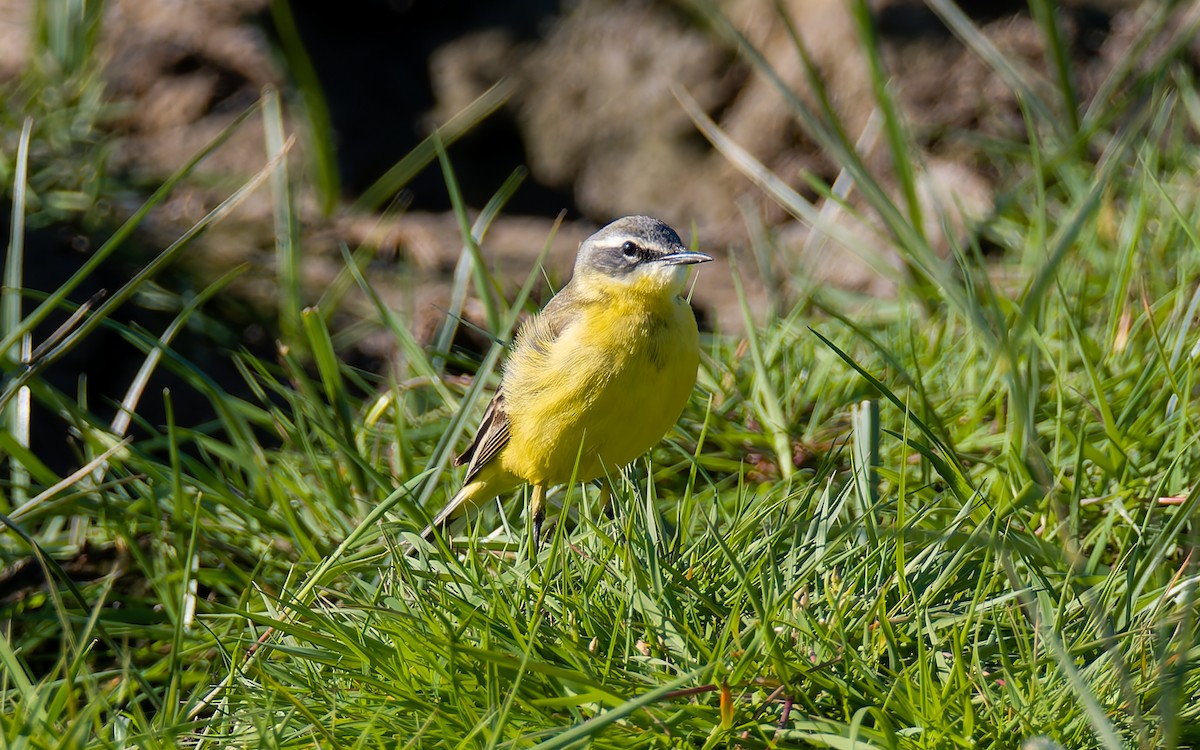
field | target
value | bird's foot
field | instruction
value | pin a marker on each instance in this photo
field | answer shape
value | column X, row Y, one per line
column 537, row 514
column 538, row 520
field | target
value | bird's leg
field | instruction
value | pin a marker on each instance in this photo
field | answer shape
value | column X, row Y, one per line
column 605, row 498
column 537, row 513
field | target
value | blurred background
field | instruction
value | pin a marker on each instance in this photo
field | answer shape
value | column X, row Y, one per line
column 582, row 99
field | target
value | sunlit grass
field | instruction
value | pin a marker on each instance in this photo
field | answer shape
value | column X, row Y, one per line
column 962, row 517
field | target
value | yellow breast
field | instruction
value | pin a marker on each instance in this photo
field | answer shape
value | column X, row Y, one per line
column 604, row 391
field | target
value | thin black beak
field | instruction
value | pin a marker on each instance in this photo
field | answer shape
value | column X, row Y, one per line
column 683, row 258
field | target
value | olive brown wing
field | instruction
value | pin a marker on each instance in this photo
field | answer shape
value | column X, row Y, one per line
column 491, row 438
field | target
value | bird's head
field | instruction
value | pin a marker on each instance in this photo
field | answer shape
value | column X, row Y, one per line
column 638, row 252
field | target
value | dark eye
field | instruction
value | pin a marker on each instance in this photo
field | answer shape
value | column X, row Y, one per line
column 630, row 250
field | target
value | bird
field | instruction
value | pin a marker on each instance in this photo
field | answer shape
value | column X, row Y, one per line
column 596, row 378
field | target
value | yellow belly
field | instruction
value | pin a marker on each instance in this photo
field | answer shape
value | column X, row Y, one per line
column 603, row 393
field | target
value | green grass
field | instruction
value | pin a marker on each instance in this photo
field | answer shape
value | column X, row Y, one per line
column 962, row 517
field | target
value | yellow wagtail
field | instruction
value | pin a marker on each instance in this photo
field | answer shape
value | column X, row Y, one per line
column 597, row 377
